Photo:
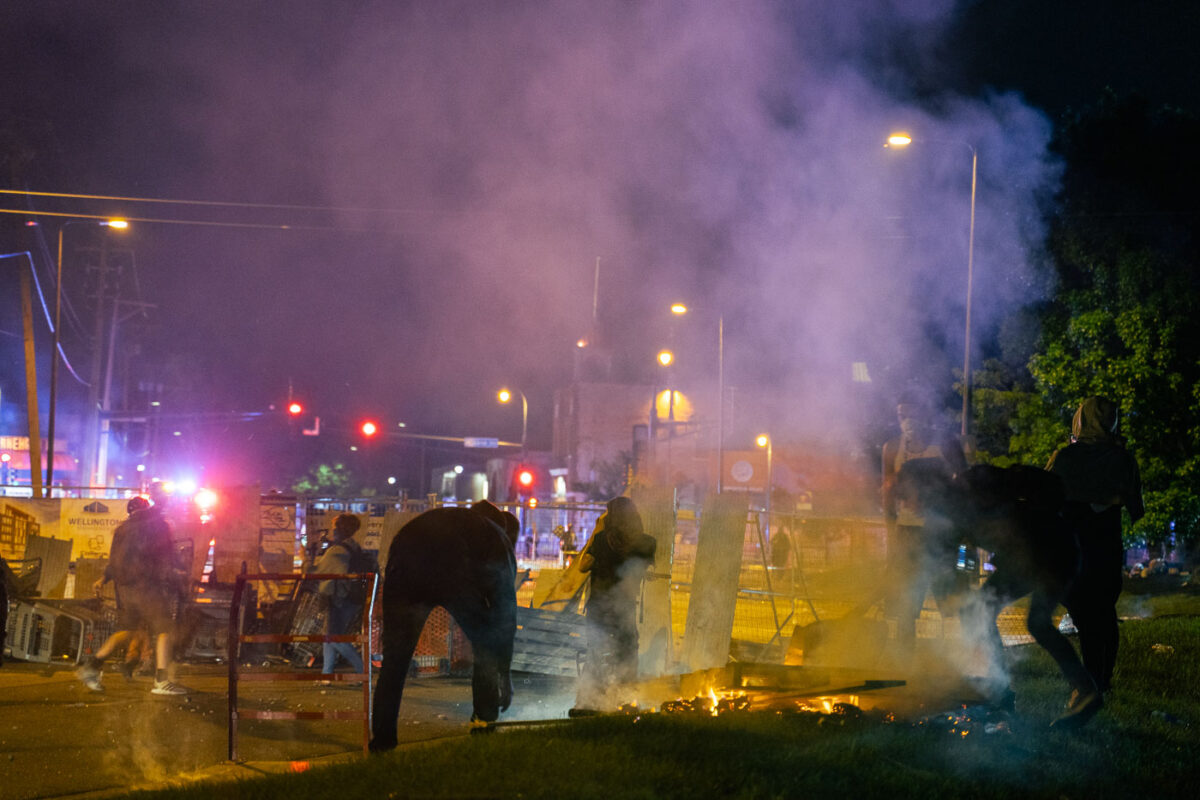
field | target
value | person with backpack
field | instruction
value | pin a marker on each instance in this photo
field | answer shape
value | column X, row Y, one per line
column 142, row 565
column 344, row 598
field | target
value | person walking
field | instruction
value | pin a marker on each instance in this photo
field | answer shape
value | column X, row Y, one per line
column 343, row 599
column 142, row 565
column 1099, row 478
column 129, row 636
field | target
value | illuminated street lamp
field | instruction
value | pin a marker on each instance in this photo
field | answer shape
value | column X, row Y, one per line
column 666, row 357
column 764, row 440
column 901, row 139
column 119, row 224
column 679, row 309
column 506, row 396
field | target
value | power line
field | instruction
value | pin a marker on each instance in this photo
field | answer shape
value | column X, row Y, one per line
column 214, row 203
column 46, row 310
column 209, row 223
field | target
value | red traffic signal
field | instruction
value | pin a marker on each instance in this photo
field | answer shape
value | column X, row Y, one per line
column 369, row 428
column 295, row 409
column 525, row 478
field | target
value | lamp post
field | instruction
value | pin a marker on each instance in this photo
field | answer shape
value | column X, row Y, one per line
column 764, row 440
column 119, row 224
column 903, row 140
column 506, row 396
column 679, row 309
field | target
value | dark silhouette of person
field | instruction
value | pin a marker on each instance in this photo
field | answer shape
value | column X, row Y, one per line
column 921, row 552
column 132, row 637
column 143, row 567
column 1099, row 477
column 616, row 559
column 8, row 588
column 1014, row 513
column 464, row 560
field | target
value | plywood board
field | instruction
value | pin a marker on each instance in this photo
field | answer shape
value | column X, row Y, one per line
column 715, row 582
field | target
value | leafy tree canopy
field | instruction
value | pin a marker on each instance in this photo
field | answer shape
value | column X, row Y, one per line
column 1124, row 318
column 328, row 480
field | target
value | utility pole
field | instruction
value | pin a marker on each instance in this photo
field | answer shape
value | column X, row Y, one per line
column 108, row 275
column 106, row 397
column 31, row 394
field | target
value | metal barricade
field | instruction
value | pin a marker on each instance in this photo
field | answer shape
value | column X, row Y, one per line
column 237, row 613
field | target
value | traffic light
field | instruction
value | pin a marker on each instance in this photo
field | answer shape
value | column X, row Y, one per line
column 525, row 479
column 295, row 409
column 368, row 428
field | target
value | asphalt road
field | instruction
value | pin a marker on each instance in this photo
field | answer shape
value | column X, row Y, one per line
column 58, row 739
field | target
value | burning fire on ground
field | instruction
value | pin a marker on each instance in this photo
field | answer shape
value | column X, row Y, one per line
column 839, row 710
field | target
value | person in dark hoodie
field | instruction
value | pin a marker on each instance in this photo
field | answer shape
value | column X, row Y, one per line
column 1099, row 477
column 617, row 558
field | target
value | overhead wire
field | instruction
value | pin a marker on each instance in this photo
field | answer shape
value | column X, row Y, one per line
column 45, row 310
column 211, row 203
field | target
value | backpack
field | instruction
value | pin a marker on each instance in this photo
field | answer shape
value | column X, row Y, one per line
column 361, row 562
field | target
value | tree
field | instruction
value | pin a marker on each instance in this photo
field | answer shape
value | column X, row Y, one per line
column 1125, row 319
column 330, row 480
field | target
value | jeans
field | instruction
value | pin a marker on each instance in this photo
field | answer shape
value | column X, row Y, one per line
column 340, row 620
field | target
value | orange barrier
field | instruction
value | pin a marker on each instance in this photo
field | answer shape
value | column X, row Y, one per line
column 237, row 614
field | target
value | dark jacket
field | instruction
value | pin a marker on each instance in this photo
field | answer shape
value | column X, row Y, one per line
column 142, row 551
column 1095, row 468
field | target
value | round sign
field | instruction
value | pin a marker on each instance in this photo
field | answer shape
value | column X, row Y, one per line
column 741, row 471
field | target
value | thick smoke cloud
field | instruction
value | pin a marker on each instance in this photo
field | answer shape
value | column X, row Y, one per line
column 726, row 153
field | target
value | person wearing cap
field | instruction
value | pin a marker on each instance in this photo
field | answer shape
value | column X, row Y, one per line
column 1099, row 478
column 141, row 565
column 128, row 636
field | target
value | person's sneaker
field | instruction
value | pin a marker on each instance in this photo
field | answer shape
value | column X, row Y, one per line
column 89, row 675
column 1080, row 709
column 166, row 687
column 127, row 669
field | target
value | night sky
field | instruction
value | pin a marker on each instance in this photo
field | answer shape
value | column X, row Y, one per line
column 450, row 173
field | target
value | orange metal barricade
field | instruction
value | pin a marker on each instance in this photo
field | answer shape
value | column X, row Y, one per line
column 237, row 638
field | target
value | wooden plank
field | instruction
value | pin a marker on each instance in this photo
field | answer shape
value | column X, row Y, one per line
column 656, row 656
column 550, row 650
column 525, row 634
column 540, row 618
column 709, row 626
column 546, row 666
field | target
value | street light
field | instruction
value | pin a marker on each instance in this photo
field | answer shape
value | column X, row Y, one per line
column 506, row 396
column 902, row 139
column 679, row 309
column 119, row 224
column 764, row 440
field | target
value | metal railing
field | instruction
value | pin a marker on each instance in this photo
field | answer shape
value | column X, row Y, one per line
column 237, row 613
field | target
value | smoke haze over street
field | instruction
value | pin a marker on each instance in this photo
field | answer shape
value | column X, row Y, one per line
column 472, row 161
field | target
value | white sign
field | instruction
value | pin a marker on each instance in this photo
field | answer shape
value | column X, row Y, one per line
column 478, row 441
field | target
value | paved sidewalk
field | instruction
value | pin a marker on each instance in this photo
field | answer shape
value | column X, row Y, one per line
column 58, row 739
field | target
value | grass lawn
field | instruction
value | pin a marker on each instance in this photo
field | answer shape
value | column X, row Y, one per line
column 1143, row 744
